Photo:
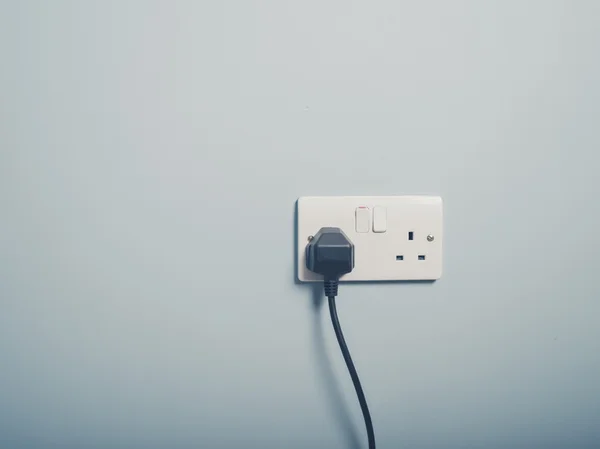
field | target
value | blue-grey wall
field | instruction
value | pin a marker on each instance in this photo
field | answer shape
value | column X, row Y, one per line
column 150, row 157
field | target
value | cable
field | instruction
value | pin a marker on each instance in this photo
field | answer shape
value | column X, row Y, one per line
column 353, row 374
column 331, row 253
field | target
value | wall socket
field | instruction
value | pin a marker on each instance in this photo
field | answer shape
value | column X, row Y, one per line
column 396, row 238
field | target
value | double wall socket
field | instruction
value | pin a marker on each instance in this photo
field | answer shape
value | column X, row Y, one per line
column 396, row 238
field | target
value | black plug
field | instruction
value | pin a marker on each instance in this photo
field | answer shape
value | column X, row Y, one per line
column 330, row 253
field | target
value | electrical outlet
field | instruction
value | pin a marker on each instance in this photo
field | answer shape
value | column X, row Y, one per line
column 396, row 238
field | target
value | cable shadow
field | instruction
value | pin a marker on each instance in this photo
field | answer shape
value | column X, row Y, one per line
column 334, row 395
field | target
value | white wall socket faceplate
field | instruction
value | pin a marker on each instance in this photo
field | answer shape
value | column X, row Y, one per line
column 396, row 238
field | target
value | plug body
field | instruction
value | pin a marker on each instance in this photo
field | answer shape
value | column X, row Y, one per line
column 330, row 253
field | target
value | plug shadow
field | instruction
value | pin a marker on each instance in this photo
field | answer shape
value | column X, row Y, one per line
column 335, row 398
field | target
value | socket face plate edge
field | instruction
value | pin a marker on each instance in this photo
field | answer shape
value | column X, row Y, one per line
column 402, row 253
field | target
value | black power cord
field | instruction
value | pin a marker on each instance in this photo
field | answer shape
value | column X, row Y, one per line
column 353, row 374
column 331, row 254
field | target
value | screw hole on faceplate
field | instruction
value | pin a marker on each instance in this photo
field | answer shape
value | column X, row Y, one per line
column 421, row 257
column 399, row 257
column 411, row 235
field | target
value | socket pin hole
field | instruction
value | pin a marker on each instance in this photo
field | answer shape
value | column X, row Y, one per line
column 411, row 235
column 421, row 257
column 399, row 257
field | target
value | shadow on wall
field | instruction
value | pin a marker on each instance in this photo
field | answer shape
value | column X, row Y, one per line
column 295, row 249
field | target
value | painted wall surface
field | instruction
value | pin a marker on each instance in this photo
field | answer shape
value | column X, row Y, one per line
column 151, row 153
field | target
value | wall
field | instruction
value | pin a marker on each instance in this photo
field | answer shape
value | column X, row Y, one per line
column 151, row 156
